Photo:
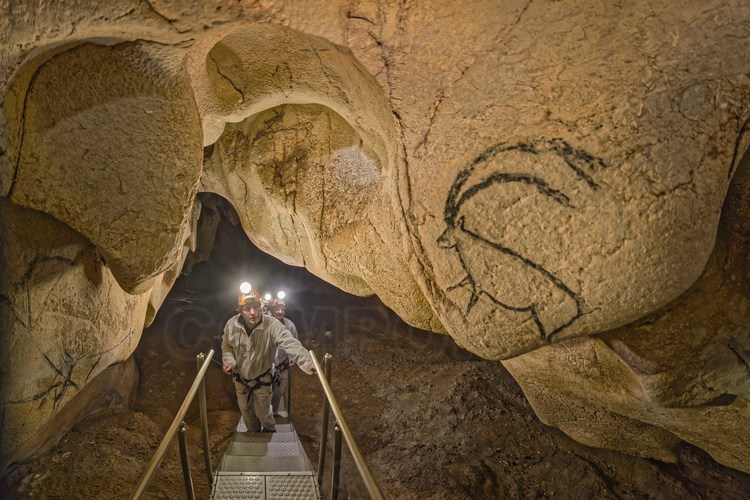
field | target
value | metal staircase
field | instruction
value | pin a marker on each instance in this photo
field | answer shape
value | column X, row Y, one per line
column 265, row 466
column 262, row 465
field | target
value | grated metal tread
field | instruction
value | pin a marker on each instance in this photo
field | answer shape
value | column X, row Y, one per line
column 282, row 449
column 291, row 487
column 278, row 486
column 239, row 486
column 234, row 463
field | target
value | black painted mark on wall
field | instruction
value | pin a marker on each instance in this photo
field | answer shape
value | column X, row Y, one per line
column 552, row 305
column 64, row 372
column 63, row 376
column 59, row 386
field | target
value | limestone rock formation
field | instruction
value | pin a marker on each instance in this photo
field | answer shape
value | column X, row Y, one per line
column 92, row 114
column 308, row 180
column 65, row 320
column 684, row 369
column 542, row 181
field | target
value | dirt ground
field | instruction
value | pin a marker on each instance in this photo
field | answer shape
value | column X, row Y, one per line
column 432, row 421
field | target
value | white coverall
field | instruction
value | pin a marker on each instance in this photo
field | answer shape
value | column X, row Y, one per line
column 252, row 355
column 282, row 356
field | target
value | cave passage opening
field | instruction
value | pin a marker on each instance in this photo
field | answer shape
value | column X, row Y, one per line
column 204, row 296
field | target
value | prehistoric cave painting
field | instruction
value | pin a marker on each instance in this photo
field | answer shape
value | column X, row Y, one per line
column 523, row 284
column 59, row 386
column 62, row 372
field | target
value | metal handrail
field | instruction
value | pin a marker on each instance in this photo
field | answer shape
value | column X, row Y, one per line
column 324, row 429
column 204, row 419
column 177, row 423
column 288, row 394
column 364, row 471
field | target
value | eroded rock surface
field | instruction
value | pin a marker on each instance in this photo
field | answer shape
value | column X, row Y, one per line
column 684, row 369
column 65, row 320
column 532, row 178
column 111, row 147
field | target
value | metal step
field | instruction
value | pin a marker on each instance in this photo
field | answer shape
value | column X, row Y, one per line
column 279, row 486
column 291, row 487
column 265, row 437
column 265, row 465
column 270, row 449
column 236, row 463
column 279, row 427
column 285, row 428
column 239, row 486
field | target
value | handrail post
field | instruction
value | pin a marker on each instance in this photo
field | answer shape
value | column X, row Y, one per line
column 150, row 470
column 324, row 430
column 289, row 391
column 335, row 475
column 185, row 460
column 204, row 421
column 359, row 461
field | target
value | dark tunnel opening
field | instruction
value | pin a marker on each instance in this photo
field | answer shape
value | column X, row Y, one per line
column 204, row 296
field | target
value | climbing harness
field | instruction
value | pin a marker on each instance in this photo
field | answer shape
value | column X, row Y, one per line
column 284, row 365
column 257, row 382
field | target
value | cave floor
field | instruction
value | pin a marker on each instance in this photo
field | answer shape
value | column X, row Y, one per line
column 432, row 420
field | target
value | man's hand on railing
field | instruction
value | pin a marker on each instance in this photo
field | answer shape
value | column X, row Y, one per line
column 227, row 368
column 308, row 367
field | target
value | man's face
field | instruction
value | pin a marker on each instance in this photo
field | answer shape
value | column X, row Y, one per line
column 277, row 311
column 251, row 312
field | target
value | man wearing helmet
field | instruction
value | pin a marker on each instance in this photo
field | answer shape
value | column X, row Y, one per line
column 248, row 350
column 277, row 308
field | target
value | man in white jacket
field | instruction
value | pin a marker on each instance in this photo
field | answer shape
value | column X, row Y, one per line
column 248, row 349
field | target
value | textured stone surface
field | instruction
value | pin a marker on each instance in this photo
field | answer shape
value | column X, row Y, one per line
column 65, row 320
column 115, row 154
column 306, row 192
column 115, row 386
column 685, row 369
column 583, row 162
column 308, row 179
column 517, row 174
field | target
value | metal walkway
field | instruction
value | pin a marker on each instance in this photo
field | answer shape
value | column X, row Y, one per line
column 265, row 466
column 262, row 465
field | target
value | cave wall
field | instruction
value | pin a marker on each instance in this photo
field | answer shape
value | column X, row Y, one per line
column 543, row 181
column 678, row 374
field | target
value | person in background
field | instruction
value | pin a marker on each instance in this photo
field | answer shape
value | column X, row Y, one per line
column 264, row 304
column 277, row 308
